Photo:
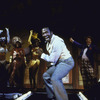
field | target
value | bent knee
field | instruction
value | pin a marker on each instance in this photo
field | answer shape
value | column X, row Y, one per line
column 45, row 75
column 53, row 79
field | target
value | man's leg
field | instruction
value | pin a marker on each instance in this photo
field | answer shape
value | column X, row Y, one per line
column 62, row 69
column 47, row 80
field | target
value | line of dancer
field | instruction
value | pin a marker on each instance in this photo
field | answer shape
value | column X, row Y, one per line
column 58, row 58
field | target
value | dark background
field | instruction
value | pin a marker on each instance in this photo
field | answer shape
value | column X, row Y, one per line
column 67, row 18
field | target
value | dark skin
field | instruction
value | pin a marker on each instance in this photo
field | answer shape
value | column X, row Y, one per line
column 18, row 44
column 36, row 44
column 47, row 35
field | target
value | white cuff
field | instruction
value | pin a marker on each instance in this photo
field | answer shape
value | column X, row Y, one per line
column 43, row 56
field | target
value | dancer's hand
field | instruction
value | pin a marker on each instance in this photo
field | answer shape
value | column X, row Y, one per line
column 6, row 28
column 39, row 51
column 71, row 40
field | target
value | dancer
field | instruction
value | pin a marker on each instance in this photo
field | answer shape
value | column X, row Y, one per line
column 86, row 61
column 17, row 66
column 4, row 41
column 60, row 63
column 35, row 61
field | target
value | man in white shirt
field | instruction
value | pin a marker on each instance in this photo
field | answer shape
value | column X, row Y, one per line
column 60, row 61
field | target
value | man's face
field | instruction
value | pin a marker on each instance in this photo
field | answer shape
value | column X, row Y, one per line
column 46, row 34
column 88, row 41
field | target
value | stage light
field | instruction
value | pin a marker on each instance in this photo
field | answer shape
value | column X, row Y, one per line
column 25, row 96
column 81, row 96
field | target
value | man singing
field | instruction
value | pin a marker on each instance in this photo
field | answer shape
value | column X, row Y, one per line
column 60, row 63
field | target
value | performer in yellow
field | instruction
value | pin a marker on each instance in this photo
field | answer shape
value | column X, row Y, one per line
column 35, row 61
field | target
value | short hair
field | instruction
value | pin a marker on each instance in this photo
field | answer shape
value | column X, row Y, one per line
column 89, row 37
column 47, row 28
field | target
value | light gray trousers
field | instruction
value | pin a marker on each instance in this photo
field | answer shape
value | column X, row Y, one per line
column 53, row 79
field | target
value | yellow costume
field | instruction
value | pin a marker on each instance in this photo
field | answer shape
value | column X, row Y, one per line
column 35, row 61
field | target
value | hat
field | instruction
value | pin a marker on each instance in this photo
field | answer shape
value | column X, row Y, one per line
column 16, row 39
column 33, row 36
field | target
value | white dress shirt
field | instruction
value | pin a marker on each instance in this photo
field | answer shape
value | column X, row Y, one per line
column 57, row 50
column 84, row 56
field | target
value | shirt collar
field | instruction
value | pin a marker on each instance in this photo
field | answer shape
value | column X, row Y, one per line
column 52, row 38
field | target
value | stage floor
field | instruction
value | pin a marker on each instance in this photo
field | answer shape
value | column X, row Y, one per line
column 39, row 94
column 36, row 96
